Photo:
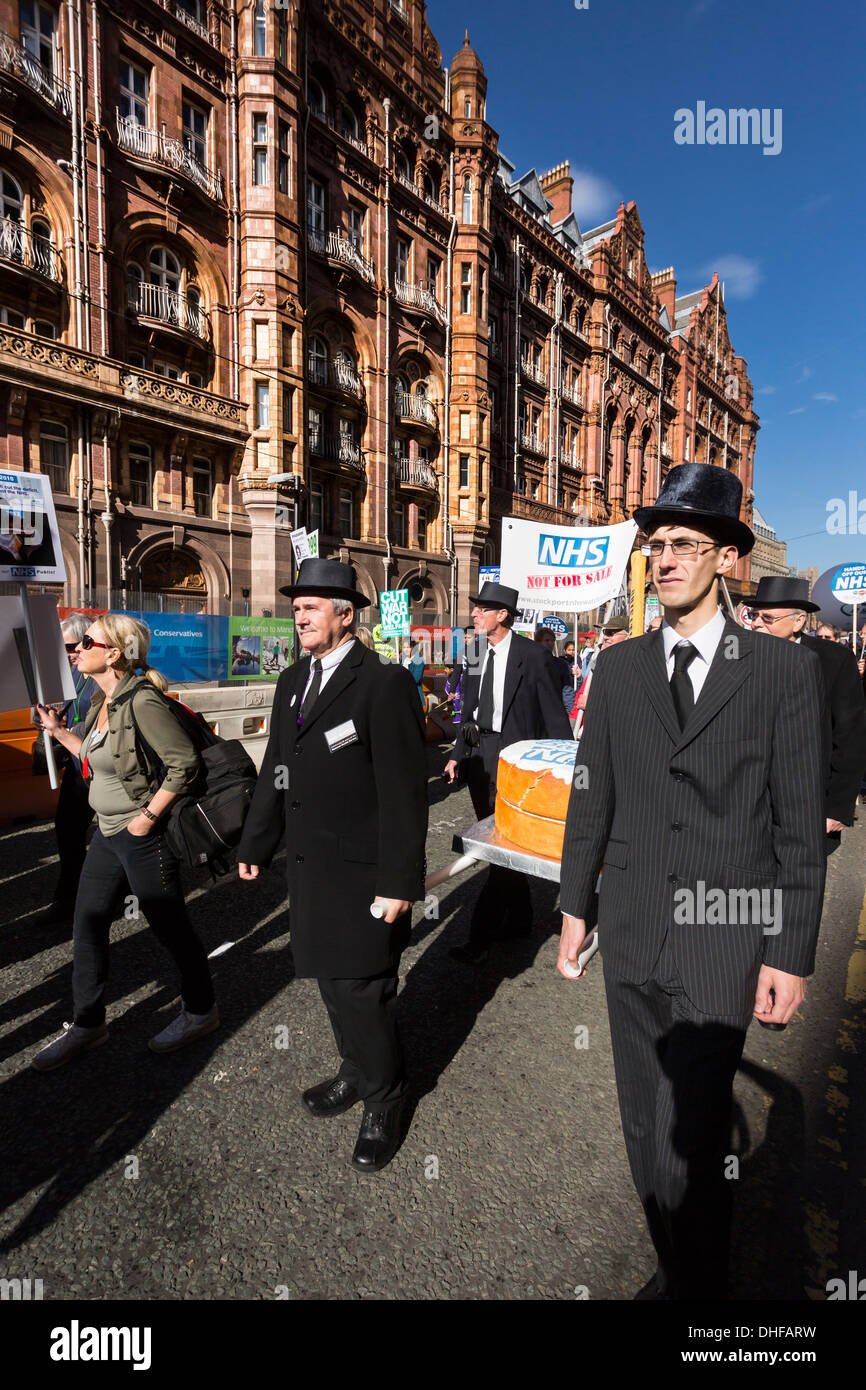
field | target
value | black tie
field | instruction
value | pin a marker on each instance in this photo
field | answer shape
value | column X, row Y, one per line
column 312, row 694
column 681, row 685
column 485, row 698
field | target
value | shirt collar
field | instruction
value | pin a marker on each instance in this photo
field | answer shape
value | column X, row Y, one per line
column 705, row 640
column 501, row 648
column 336, row 656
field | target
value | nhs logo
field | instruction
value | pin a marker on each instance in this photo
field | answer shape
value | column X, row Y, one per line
column 572, row 552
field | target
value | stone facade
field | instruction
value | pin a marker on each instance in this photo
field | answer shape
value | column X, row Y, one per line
column 267, row 266
column 769, row 556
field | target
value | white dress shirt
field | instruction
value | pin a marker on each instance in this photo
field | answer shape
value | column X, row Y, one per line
column 501, row 660
column 329, row 665
column 705, row 641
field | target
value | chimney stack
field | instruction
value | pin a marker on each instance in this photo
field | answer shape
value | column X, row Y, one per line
column 557, row 185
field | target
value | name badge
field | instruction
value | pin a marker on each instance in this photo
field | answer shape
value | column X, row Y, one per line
column 292, row 701
column 340, row 735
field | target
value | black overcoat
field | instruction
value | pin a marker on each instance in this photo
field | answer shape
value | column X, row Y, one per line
column 735, row 800
column 352, row 813
column 846, row 708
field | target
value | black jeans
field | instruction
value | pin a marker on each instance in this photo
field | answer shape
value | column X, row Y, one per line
column 363, row 1015
column 71, row 821
column 144, row 867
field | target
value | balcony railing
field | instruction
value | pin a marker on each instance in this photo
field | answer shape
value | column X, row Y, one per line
column 14, row 58
column 504, row 502
column 158, row 148
column 17, row 244
column 532, row 443
column 168, row 306
column 336, row 246
column 327, row 119
column 416, row 473
column 338, row 448
column 571, row 393
column 339, row 374
column 419, row 297
column 667, row 452
column 191, row 22
column 569, row 458
column 416, row 408
column 533, row 372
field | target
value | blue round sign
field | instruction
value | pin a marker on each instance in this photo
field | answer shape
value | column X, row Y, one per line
column 848, row 584
column 556, row 625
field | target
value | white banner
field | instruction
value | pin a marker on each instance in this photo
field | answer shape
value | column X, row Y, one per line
column 567, row 569
column 29, row 539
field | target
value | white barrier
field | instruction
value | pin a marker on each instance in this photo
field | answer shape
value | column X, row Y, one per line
column 244, row 713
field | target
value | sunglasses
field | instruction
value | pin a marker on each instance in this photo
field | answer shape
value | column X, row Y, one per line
column 87, row 642
column 71, row 646
column 768, row 619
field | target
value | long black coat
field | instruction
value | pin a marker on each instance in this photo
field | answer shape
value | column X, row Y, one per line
column 354, row 820
column 846, row 708
column 735, row 800
column 532, row 707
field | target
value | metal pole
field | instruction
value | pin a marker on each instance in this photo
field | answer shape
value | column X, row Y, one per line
column 37, row 681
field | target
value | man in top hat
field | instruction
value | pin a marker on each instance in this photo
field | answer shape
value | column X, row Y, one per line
column 514, row 693
column 779, row 608
column 704, row 758
column 344, row 786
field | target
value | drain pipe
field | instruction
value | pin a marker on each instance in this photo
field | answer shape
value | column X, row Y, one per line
column 659, row 450
column 516, row 360
column 387, row 283
column 446, row 442
column 555, row 374
column 82, row 154
column 233, row 183
column 76, row 204
column 81, row 470
column 100, row 196
column 603, row 394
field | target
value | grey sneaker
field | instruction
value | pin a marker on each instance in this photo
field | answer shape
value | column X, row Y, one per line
column 73, row 1041
column 185, row 1029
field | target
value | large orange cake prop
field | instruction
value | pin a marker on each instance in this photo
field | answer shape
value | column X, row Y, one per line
column 533, row 786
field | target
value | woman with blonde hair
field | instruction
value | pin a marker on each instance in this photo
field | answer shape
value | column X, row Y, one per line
column 132, row 782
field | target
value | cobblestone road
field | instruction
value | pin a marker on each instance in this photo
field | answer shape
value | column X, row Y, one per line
column 198, row 1175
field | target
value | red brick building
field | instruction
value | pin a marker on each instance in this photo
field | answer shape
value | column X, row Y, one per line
column 263, row 266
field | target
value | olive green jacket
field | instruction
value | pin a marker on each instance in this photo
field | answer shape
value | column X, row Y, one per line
column 161, row 730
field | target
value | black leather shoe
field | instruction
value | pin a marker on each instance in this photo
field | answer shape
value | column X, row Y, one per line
column 469, row 954
column 651, row 1290
column 378, row 1138
column 330, row 1098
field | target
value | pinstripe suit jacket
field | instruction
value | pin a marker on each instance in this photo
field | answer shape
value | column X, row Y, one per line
column 735, row 800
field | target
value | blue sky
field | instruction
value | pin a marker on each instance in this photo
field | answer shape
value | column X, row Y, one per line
column 600, row 86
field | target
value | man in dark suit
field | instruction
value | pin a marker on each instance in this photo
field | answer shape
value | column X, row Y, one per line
column 779, row 608
column 704, row 798
column 513, row 693
column 344, row 785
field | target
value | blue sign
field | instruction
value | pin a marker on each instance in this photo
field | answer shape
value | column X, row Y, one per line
column 572, row 552
column 187, row 647
column 489, row 574
column 556, row 625
column 848, row 582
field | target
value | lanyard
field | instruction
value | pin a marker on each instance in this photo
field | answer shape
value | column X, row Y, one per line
column 76, row 717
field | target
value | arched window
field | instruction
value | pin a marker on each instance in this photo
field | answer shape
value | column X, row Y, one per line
column 524, row 278
column 318, row 362
column 349, row 122
column 260, row 30
column 11, row 195
column 43, row 251
column 431, row 186
column 467, row 198
column 401, row 164
column 140, row 474
column 316, row 97
column 614, row 337
column 164, row 268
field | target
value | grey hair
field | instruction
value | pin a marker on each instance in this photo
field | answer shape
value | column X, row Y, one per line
column 76, row 624
column 341, row 606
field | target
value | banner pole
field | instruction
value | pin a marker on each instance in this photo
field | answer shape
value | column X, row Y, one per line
column 37, row 681
column 728, row 598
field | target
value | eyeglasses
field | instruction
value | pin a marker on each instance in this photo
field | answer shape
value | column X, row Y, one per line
column 87, row 642
column 71, row 646
column 752, row 615
column 679, row 548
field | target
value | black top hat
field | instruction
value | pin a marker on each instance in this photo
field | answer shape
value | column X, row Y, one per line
column 779, row 591
column 496, row 596
column 327, row 579
column 702, row 493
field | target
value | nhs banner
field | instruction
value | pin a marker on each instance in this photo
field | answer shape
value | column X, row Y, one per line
column 567, row 569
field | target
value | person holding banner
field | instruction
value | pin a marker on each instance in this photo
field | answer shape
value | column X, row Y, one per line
column 343, row 785
column 704, row 773
column 132, row 782
column 514, row 693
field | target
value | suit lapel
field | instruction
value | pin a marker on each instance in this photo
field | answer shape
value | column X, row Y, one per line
column 730, row 667
column 339, row 681
column 513, row 675
column 650, row 661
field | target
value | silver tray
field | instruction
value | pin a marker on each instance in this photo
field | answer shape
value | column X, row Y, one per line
column 483, row 841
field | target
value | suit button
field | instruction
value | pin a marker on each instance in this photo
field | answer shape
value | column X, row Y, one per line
column 679, row 776
column 296, row 806
column 676, row 827
column 299, row 859
column 672, row 878
column 298, row 750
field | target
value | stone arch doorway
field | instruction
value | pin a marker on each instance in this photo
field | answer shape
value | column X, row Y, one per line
column 176, row 576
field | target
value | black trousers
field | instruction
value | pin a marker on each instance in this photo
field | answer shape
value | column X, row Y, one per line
column 144, row 867
column 675, row 1071
column 504, row 906
column 363, row 1015
column 71, row 821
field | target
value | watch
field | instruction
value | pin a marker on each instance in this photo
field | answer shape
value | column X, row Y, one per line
column 149, row 814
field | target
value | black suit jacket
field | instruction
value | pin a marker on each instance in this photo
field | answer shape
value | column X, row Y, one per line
column 734, row 801
column 353, row 818
column 532, row 707
column 846, row 714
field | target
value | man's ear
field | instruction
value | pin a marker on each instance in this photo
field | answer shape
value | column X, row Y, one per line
column 728, row 557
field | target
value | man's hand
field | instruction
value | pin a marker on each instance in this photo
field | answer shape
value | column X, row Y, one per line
column 450, row 773
column 394, row 907
column 570, row 943
column 778, row 996
column 248, row 871
column 834, row 825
